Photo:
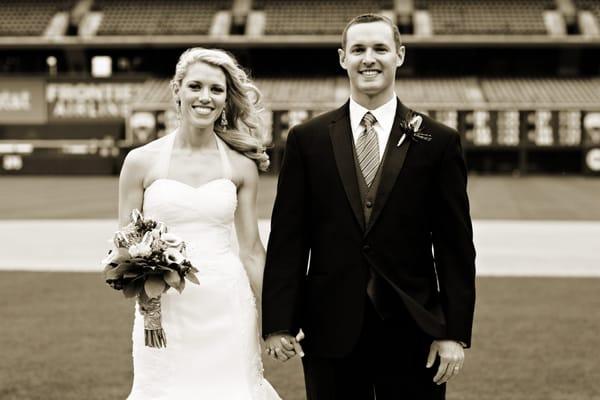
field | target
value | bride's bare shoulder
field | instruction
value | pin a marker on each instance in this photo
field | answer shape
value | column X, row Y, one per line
column 152, row 147
column 141, row 158
column 148, row 151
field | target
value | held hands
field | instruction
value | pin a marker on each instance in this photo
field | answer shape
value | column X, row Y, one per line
column 283, row 347
column 452, row 357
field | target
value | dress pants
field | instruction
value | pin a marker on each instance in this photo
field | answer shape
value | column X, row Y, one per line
column 387, row 363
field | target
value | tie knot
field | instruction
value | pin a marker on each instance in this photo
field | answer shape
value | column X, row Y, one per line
column 369, row 120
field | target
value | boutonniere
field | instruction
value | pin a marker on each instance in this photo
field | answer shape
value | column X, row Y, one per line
column 413, row 129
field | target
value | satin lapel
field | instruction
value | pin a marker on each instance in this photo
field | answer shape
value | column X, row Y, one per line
column 341, row 140
column 392, row 164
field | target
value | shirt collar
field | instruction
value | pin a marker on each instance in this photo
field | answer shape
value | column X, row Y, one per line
column 385, row 114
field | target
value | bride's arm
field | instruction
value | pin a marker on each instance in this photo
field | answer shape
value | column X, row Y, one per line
column 252, row 252
column 131, row 188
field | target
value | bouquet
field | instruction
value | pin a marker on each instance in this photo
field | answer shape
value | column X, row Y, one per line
column 145, row 262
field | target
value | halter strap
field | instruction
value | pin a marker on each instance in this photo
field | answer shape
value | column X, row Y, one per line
column 225, row 163
column 164, row 158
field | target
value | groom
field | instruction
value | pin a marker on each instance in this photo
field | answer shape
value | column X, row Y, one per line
column 373, row 197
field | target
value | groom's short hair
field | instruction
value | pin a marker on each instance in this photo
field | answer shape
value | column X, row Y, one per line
column 366, row 18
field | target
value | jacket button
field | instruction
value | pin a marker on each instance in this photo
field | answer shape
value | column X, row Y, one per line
column 366, row 248
column 369, row 204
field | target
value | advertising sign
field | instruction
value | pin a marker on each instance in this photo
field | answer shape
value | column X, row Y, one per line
column 22, row 101
column 85, row 101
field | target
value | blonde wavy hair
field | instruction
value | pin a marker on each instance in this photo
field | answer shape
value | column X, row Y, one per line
column 242, row 106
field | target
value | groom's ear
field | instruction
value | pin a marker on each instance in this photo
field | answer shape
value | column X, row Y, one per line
column 400, row 53
column 342, row 55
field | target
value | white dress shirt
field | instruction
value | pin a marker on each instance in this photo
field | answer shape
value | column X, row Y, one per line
column 384, row 114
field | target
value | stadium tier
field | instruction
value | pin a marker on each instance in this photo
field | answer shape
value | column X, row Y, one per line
column 154, row 93
column 291, row 18
column 157, row 17
column 29, row 17
column 589, row 5
column 568, row 92
column 310, row 17
column 422, row 93
column 500, row 17
column 279, row 92
column 588, row 16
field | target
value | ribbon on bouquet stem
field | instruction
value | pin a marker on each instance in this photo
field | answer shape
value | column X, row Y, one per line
column 154, row 333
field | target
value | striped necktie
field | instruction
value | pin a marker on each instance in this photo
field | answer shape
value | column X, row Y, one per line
column 367, row 149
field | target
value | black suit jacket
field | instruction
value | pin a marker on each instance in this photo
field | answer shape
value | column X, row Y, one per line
column 421, row 204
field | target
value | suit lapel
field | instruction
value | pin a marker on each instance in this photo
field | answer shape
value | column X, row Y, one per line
column 392, row 163
column 341, row 140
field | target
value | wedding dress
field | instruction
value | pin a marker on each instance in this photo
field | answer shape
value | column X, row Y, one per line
column 213, row 345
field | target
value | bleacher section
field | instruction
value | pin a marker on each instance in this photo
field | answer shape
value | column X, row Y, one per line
column 451, row 93
column 589, row 5
column 499, row 17
column 310, row 17
column 278, row 92
column 306, row 91
column 289, row 18
column 153, row 93
column 29, row 17
column 566, row 92
column 158, row 17
column 442, row 92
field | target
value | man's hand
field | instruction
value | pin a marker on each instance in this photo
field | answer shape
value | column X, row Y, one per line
column 283, row 347
column 452, row 357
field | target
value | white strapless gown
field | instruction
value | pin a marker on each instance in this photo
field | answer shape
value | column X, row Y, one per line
column 213, row 346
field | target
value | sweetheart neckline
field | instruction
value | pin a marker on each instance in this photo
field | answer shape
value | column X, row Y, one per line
column 190, row 186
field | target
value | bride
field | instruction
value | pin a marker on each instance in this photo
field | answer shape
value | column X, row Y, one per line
column 200, row 181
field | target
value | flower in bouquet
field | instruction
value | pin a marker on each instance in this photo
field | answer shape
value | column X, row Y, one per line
column 174, row 256
column 146, row 261
column 171, row 240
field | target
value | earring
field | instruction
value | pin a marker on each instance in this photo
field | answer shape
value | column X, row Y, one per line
column 223, row 119
column 178, row 108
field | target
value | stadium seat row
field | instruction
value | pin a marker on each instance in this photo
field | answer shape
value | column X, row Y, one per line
column 291, row 17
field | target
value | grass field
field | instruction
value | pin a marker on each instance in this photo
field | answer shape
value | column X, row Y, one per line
column 66, row 336
column 572, row 198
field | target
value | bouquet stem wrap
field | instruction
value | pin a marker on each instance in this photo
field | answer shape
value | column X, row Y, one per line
column 153, row 332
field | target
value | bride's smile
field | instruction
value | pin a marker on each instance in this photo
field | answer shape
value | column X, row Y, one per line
column 202, row 95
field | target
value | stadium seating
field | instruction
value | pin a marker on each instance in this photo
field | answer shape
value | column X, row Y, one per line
column 466, row 92
column 278, row 91
column 307, row 91
column 29, row 17
column 296, row 17
column 459, row 17
column 541, row 91
column 440, row 91
column 589, row 5
column 314, row 17
column 154, row 91
column 158, row 17
column 299, row 17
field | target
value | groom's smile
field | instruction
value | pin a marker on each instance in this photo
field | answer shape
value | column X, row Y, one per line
column 370, row 73
column 371, row 57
